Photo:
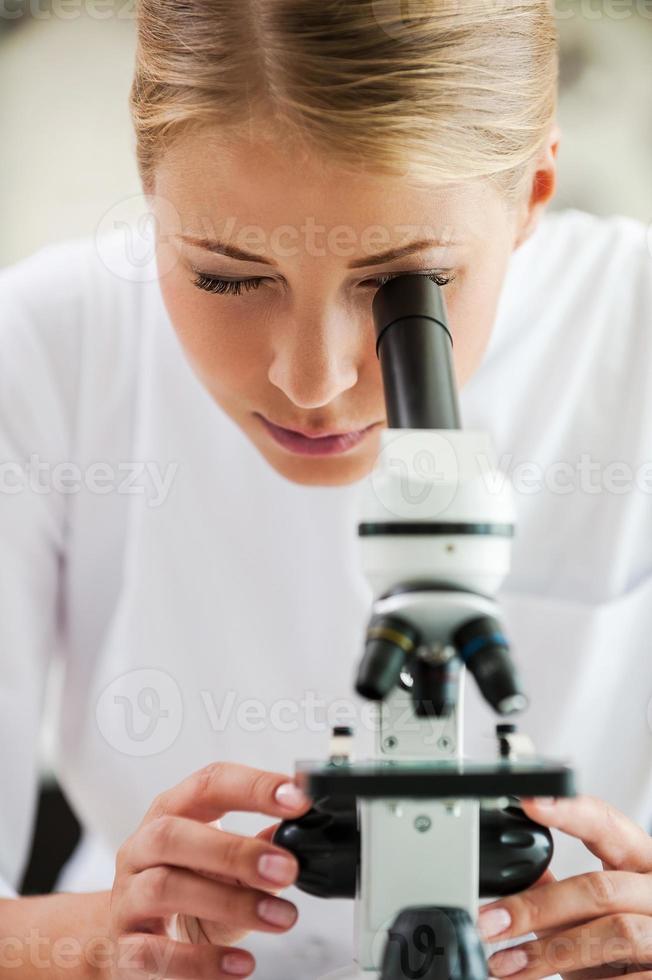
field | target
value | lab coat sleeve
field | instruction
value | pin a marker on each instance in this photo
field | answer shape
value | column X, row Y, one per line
column 35, row 425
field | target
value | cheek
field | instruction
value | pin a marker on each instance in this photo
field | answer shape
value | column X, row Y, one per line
column 472, row 305
column 221, row 340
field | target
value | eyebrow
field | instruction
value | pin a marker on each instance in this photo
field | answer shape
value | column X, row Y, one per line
column 233, row 252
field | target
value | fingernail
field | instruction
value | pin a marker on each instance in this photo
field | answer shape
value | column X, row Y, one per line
column 508, row 961
column 493, row 921
column 545, row 801
column 276, row 912
column 239, row 966
column 290, row 796
column 276, row 868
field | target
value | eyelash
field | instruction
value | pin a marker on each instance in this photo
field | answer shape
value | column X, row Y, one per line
column 234, row 287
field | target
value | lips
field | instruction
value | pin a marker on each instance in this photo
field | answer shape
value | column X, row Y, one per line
column 307, row 434
column 314, row 444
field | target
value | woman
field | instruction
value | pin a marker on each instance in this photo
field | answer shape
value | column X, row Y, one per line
column 193, row 558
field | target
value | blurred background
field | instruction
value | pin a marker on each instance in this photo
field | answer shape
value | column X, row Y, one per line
column 67, row 156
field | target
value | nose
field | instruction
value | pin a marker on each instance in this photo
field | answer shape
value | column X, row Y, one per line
column 315, row 360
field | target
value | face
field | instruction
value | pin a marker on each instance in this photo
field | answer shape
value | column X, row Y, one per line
column 280, row 329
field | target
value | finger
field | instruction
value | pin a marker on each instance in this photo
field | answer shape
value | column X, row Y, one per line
column 595, row 973
column 643, row 974
column 545, row 879
column 185, row 843
column 221, row 787
column 615, row 839
column 612, row 939
column 557, row 904
column 493, row 925
column 141, row 955
column 268, row 832
column 156, row 893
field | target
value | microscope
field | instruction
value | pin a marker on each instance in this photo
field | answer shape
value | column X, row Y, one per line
column 418, row 833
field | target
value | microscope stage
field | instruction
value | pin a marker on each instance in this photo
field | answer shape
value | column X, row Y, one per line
column 391, row 779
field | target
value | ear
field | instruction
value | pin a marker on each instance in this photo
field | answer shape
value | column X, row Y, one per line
column 542, row 188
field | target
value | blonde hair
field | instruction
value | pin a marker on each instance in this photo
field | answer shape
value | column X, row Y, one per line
column 449, row 90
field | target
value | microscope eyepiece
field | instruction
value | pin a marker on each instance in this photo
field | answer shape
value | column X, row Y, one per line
column 390, row 641
column 483, row 648
column 414, row 346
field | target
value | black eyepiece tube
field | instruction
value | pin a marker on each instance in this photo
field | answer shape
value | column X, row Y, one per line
column 414, row 347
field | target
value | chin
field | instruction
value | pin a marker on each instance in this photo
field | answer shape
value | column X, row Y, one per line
column 313, row 474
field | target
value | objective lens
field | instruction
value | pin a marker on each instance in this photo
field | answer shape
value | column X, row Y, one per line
column 389, row 642
column 484, row 649
column 435, row 687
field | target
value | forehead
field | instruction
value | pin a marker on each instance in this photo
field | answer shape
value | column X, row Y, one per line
column 213, row 185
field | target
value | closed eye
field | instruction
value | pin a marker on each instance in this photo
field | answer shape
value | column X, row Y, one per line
column 235, row 287
column 440, row 278
column 230, row 287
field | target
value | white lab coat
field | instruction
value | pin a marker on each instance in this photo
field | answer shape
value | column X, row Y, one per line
column 221, row 618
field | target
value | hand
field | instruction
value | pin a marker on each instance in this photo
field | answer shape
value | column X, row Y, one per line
column 175, row 863
column 589, row 926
